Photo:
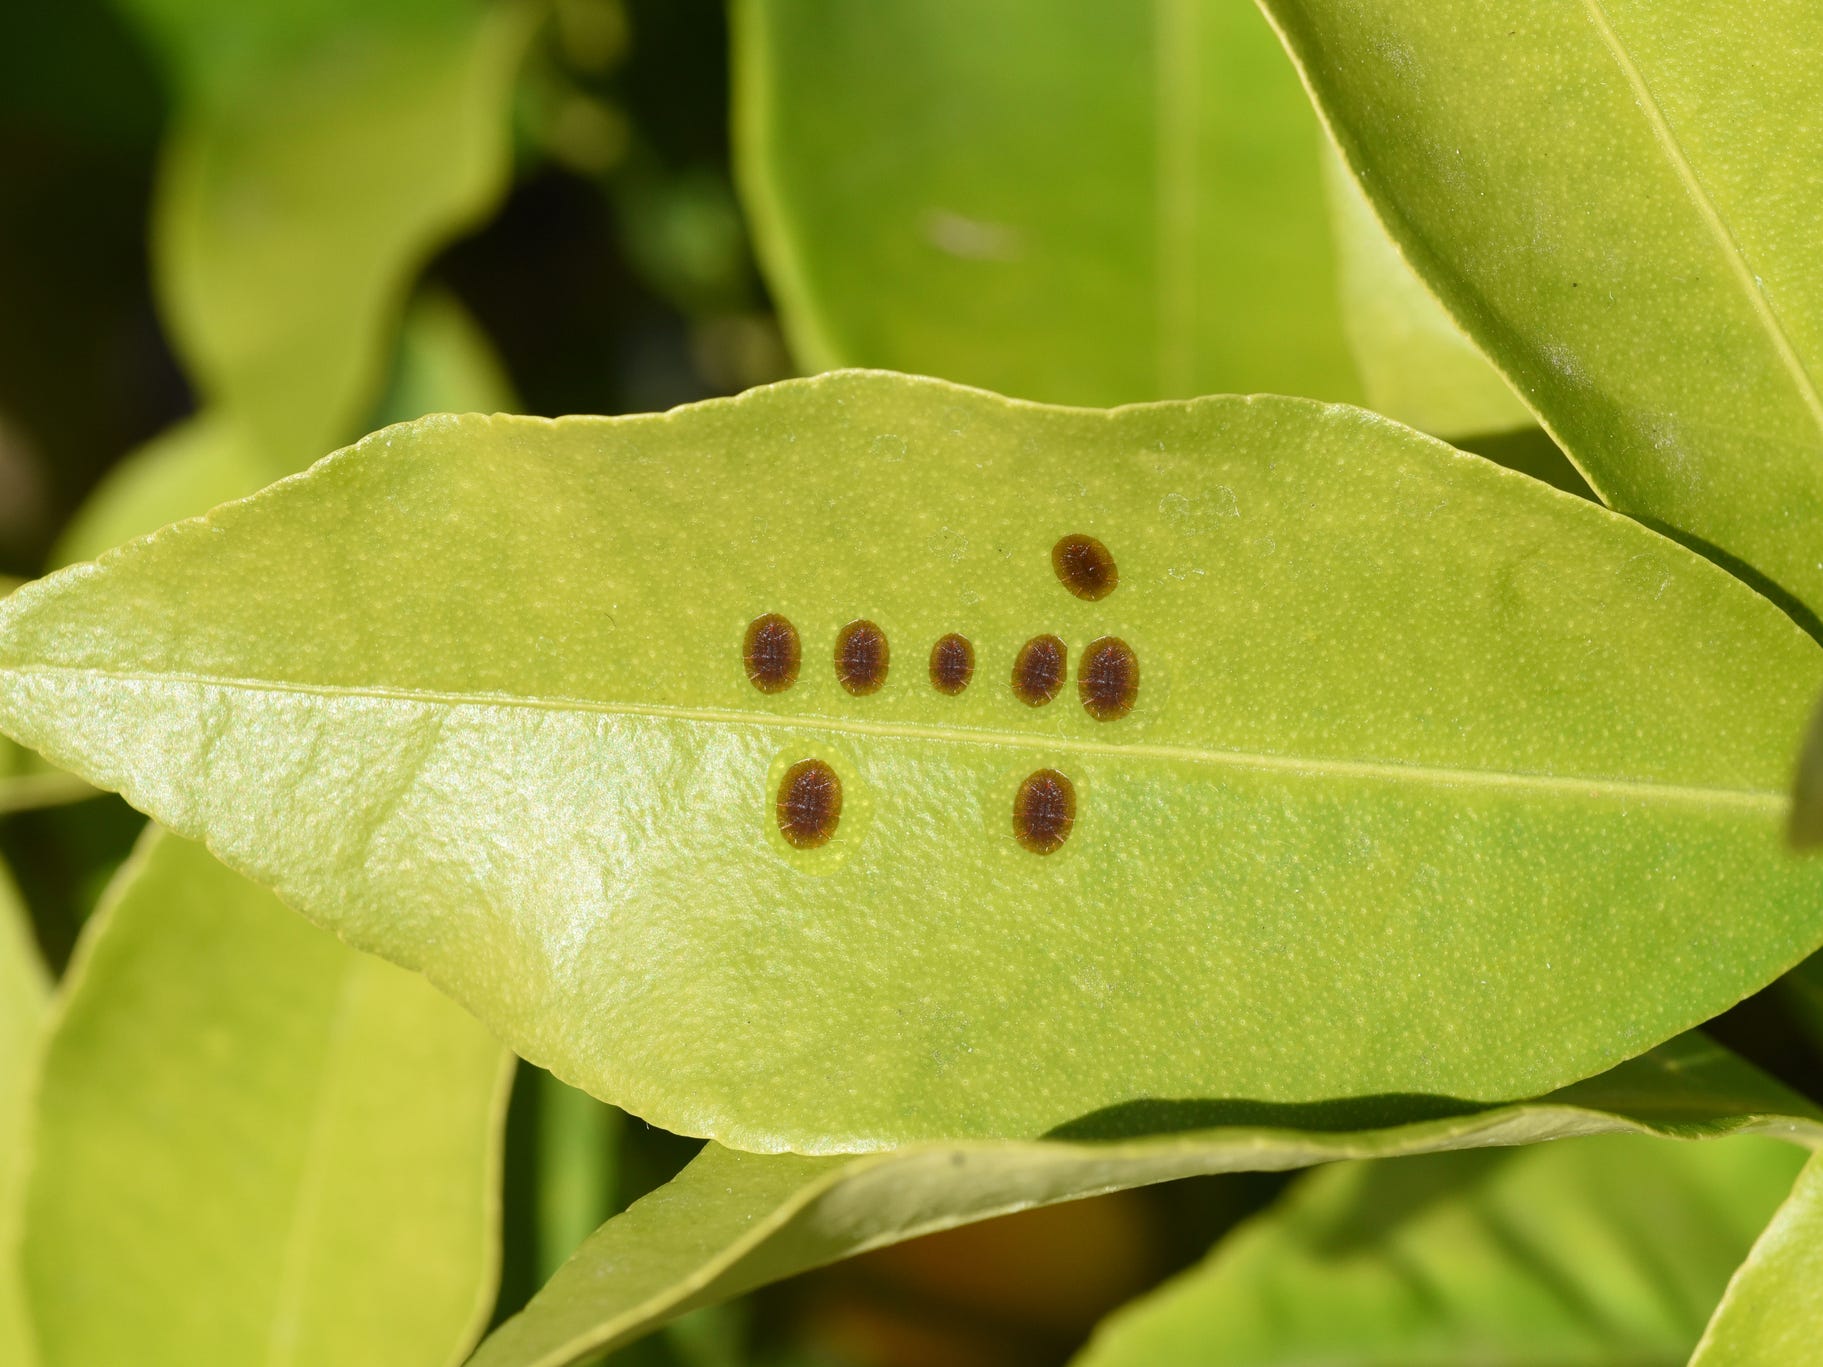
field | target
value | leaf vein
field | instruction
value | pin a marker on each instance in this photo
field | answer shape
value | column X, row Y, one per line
column 1747, row 799
column 1705, row 207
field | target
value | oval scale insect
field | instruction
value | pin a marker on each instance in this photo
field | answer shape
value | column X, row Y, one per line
column 1044, row 810
column 809, row 804
column 952, row 664
column 862, row 657
column 771, row 653
column 1107, row 679
column 1039, row 670
column 1085, row 567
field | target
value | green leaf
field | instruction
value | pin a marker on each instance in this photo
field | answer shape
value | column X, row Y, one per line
column 1603, row 1250
column 1101, row 205
column 1424, row 751
column 24, row 994
column 1427, row 757
column 254, row 1144
column 290, row 220
column 1771, row 1314
column 733, row 1221
column 1616, row 200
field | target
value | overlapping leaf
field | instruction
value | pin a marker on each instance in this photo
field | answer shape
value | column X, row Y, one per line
column 254, row 1144
column 1427, row 758
column 1595, row 1251
column 733, row 1221
column 1618, row 200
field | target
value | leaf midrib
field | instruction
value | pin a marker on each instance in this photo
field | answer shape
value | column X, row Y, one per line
column 1706, row 210
column 1749, row 799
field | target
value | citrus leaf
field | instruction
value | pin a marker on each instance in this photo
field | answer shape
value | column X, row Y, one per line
column 24, row 994
column 1082, row 203
column 232, row 1100
column 1611, row 197
column 1603, row 1250
column 734, row 1221
column 1425, row 757
column 1773, row 1310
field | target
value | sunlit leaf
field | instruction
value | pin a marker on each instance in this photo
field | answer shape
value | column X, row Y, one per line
column 733, row 1221
column 1772, row 1315
column 1619, row 202
column 24, row 994
column 1426, row 758
column 1594, row 1251
column 254, row 1144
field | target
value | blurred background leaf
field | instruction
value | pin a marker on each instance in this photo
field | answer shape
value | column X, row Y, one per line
column 1584, row 1252
column 234, row 1101
column 312, row 167
column 1078, row 203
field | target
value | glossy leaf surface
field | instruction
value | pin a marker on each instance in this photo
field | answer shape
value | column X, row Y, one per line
column 254, row 1144
column 1772, row 1315
column 1618, row 200
column 24, row 994
column 1081, row 203
column 1595, row 1251
column 1427, row 758
column 733, row 1221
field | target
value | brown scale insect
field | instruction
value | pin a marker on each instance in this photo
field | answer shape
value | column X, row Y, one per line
column 1085, row 567
column 861, row 657
column 952, row 664
column 1039, row 670
column 771, row 653
column 1107, row 678
column 1044, row 810
column 810, row 804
